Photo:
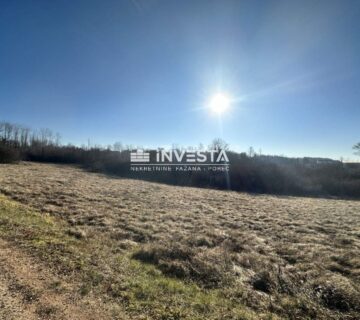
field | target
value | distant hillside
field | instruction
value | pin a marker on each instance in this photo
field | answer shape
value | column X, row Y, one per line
column 248, row 172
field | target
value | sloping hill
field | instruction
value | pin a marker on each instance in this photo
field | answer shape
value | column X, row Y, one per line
column 171, row 252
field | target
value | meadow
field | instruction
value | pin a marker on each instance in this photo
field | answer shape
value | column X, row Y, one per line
column 131, row 249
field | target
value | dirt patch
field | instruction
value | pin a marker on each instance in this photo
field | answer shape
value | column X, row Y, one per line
column 27, row 291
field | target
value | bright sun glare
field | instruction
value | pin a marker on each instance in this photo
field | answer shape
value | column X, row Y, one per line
column 219, row 103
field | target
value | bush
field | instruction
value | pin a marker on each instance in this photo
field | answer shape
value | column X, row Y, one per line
column 8, row 154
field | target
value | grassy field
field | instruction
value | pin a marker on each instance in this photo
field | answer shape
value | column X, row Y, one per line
column 124, row 249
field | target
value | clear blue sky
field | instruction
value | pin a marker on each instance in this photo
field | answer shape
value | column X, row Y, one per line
column 141, row 72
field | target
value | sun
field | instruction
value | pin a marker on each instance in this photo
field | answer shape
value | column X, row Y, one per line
column 219, row 103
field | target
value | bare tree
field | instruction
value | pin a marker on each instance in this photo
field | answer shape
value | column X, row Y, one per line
column 15, row 134
column 57, row 139
column 2, row 130
column 34, row 140
column 129, row 147
column 8, row 128
column 357, row 148
column 251, row 152
column 219, row 144
column 118, row 146
column 24, row 136
column 46, row 136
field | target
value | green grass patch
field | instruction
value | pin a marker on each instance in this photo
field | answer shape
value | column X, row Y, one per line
column 138, row 287
column 170, row 298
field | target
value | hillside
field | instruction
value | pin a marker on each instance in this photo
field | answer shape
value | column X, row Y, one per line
column 143, row 250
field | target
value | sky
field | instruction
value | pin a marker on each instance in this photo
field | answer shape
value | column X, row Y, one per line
column 143, row 72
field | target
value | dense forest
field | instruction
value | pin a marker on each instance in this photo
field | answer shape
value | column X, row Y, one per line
column 250, row 172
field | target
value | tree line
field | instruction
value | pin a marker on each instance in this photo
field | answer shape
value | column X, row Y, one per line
column 250, row 172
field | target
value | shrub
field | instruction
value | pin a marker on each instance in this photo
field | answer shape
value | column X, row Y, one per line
column 8, row 154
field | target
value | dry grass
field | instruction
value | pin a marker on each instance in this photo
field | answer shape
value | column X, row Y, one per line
column 295, row 257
